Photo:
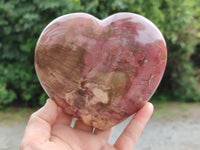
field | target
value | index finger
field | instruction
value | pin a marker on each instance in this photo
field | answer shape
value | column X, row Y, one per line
column 133, row 130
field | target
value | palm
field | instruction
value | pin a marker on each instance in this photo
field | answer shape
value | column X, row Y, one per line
column 49, row 128
column 78, row 138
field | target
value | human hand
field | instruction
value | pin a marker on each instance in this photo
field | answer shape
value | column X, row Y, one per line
column 49, row 129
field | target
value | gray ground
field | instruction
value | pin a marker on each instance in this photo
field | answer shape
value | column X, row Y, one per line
column 173, row 126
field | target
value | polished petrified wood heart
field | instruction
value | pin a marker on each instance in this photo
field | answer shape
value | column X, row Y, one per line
column 100, row 71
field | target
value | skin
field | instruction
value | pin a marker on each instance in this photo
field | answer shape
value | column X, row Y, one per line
column 49, row 128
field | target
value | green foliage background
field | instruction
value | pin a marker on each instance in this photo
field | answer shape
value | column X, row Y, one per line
column 22, row 21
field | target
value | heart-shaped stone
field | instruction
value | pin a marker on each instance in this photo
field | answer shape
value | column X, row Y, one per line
column 100, row 71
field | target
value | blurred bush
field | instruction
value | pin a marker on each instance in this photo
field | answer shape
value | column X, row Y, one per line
column 22, row 21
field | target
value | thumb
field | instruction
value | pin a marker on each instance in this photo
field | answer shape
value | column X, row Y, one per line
column 39, row 125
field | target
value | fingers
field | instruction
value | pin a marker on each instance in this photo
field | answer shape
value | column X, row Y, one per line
column 39, row 125
column 104, row 134
column 133, row 130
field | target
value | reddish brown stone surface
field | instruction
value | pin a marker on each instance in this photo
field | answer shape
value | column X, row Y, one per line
column 100, row 71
